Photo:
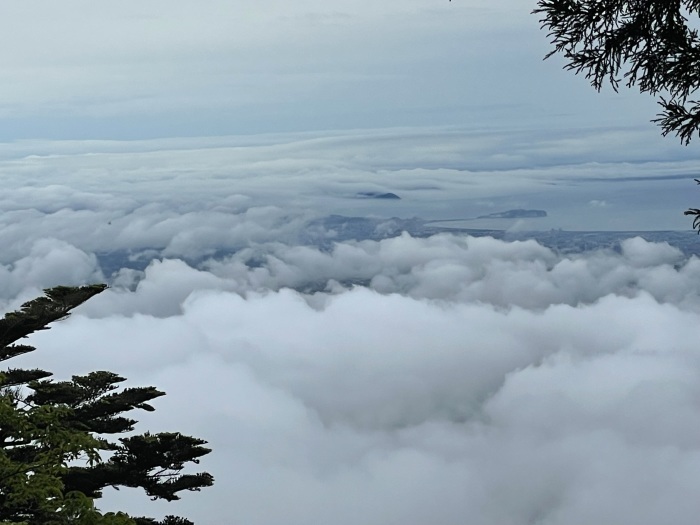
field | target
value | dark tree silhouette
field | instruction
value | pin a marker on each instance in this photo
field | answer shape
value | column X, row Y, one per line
column 649, row 44
column 56, row 450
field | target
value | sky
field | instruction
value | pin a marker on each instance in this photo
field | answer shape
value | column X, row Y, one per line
column 79, row 70
column 186, row 153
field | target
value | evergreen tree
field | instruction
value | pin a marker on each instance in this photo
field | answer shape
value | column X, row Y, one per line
column 651, row 44
column 57, row 450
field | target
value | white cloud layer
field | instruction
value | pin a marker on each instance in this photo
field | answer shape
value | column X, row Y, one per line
column 448, row 379
column 535, row 389
column 191, row 197
column 405, row 381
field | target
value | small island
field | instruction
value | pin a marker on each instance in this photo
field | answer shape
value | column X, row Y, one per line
column 515, row 214
column 376, row 195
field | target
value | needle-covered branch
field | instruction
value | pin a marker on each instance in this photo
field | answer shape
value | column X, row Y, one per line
column 56, row 455
column 647, row 44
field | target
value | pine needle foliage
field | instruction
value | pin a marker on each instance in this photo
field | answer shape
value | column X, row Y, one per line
column 58, row 449
column 652, row 45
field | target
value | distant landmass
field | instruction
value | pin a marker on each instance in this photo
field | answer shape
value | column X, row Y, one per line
column 324, row 232
column 376, row 195
column 515, row 214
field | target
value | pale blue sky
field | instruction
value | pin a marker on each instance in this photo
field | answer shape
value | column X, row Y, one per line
column 79, row 69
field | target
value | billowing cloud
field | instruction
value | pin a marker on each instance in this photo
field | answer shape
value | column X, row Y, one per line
column 346, row 372
column 358, row 376
column 386, row 407
column 49, row 262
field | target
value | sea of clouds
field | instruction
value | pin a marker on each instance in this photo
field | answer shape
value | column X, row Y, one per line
column 449, row 379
